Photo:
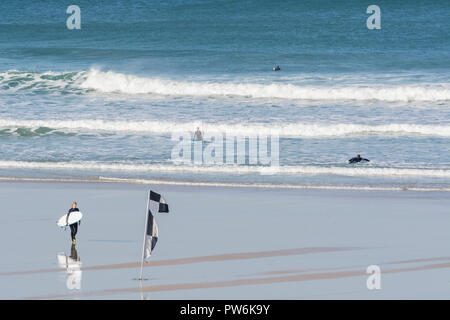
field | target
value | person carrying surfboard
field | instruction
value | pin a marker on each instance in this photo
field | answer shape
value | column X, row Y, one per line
column 74, row 226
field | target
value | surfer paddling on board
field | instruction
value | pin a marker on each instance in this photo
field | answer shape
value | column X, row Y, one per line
column 198, row 135
column 357, row 159
column 74, row 226
column 277, row 68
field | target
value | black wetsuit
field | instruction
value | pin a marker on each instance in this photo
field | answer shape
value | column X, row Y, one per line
column 74, row 226
column 198, row 136
column 357, row 159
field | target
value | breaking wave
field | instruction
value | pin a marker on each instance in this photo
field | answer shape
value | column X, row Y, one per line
column 306, row 130
column 118, row 82
column 114, row 82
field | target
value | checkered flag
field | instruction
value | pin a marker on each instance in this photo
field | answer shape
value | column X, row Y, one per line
column 156, row 204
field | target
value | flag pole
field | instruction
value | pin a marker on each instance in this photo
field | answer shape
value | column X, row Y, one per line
column 145, row 233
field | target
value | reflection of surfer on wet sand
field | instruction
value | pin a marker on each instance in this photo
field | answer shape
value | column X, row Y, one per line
column 74, row 253
column 72, row 264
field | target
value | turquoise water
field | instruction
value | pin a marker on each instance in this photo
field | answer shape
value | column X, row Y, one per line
column 105, row 100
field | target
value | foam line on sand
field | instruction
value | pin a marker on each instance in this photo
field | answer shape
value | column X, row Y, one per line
column 218, row 184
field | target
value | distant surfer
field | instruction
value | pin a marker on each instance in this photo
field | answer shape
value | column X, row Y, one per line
column 277, row 68
column 357, row 159
column 198, row 135
column 74, row 226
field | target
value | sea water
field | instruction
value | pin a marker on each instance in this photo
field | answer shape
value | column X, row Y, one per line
column 112, row 98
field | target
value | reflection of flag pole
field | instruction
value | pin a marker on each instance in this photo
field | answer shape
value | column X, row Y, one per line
column 145, row 233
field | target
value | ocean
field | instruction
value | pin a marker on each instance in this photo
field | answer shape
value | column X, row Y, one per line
column 113, row 99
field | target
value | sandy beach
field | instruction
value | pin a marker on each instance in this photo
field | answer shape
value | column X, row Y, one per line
column 223, row 243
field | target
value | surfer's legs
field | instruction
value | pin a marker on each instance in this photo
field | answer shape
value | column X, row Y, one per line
column 73, row 230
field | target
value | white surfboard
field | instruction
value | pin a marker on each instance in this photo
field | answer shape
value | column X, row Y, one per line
column 74, row 217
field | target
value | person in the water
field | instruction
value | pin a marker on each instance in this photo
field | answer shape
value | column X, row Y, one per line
column 198, row 135
column 277, row 68
column 357, row 159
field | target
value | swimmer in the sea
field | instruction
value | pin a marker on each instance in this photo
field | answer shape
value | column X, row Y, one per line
column 357, row 159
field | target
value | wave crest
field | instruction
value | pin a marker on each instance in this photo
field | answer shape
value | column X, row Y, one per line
column 301, row 130
column 115, row 82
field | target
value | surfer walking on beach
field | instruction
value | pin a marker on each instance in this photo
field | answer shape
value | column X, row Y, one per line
column 74, row 226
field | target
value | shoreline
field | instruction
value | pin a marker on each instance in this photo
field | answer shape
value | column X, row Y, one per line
column 217, row 184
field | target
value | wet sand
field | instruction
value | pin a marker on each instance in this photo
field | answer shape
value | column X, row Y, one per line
column 243, row 282
column 223, row 242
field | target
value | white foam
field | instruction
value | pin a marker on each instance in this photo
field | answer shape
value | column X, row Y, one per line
column 263, row 185
column 306, row 130
column 230, row 169
column 223, row 184
column 110, row 81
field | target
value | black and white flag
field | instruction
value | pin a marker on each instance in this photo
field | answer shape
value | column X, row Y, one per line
column 156, row 204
